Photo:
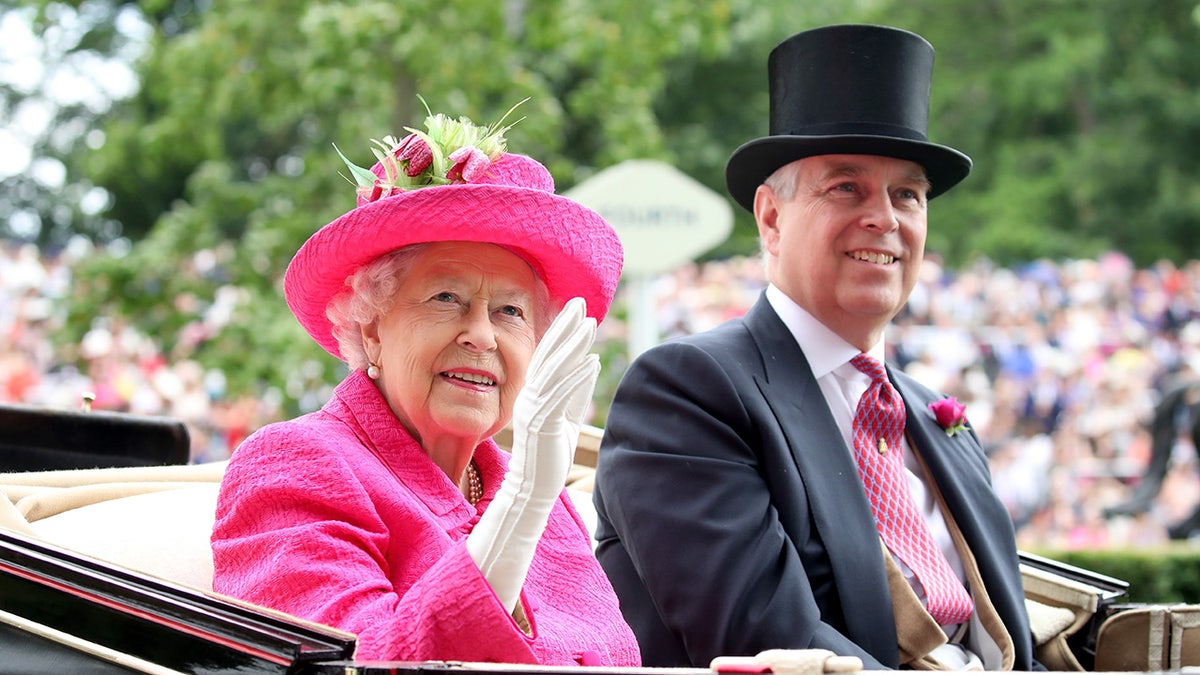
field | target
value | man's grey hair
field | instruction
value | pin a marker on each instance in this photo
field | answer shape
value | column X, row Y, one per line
column 782, row 182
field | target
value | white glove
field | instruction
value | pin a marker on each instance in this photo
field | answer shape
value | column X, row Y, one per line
column 546, row 421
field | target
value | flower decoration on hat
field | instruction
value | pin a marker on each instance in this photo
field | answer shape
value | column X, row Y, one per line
column 950, row 415
column 449, row 151
column 455, row 181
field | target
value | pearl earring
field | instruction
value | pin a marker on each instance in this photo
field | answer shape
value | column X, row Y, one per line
column 373, row 371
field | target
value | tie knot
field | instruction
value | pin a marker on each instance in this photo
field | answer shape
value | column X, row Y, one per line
column 869, row 367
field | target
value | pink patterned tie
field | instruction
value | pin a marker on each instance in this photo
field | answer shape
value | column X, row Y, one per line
column 878, row 425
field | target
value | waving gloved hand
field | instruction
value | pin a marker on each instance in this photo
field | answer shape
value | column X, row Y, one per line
column 546, row 421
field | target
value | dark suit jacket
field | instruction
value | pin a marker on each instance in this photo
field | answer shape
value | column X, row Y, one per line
column 731, row 516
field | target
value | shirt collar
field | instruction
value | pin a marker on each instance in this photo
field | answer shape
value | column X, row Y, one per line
column 825, row 350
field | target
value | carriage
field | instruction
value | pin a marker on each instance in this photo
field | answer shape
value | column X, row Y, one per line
column 105, row 568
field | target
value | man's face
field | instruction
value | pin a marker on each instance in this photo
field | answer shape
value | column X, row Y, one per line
column 847, row 245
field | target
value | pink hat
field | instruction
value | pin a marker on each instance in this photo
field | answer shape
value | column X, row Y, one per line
column 456, row 183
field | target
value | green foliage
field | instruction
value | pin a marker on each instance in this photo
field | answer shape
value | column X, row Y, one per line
column 1168, row 575
column 228, row 146
column 1080, row 116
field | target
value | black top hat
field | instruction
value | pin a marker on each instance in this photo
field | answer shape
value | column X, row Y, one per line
column 850, row 89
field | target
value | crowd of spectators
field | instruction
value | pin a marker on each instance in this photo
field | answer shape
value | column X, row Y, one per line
column 1060, row 365
column 117, row 367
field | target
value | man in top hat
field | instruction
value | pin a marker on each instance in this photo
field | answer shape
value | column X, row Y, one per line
column 770, row 484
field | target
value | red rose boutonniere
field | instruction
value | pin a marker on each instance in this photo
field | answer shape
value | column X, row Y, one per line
column 950, row 414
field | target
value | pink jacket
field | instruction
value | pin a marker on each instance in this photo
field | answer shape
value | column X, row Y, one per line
column 340, row 518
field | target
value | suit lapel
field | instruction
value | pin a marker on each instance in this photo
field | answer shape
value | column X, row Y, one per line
column 959, row 469
column 830, row 480
column 954, row 463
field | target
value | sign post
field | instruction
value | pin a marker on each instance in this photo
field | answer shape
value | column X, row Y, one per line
column 664, row 219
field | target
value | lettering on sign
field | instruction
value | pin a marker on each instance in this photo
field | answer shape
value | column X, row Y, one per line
column 663, row 216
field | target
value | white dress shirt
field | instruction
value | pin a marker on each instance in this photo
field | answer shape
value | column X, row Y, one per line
column 842, row 385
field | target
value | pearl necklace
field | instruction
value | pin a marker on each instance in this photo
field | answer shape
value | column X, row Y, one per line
column 474, row 484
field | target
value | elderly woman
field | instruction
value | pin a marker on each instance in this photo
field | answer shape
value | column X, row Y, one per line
column 390, row 513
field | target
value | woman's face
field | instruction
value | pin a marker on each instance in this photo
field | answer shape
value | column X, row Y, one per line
column 454, row 347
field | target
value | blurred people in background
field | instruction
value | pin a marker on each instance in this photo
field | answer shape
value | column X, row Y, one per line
column 980, row 329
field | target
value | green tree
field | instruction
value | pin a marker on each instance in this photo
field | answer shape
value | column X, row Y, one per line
column 1078, row 114
column 1080, row 117
column 227, row 148
column 53, row 96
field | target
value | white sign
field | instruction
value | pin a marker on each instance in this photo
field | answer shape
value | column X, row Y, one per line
column 663, row 216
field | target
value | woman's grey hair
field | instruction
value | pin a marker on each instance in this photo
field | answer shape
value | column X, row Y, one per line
column 373, row 291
